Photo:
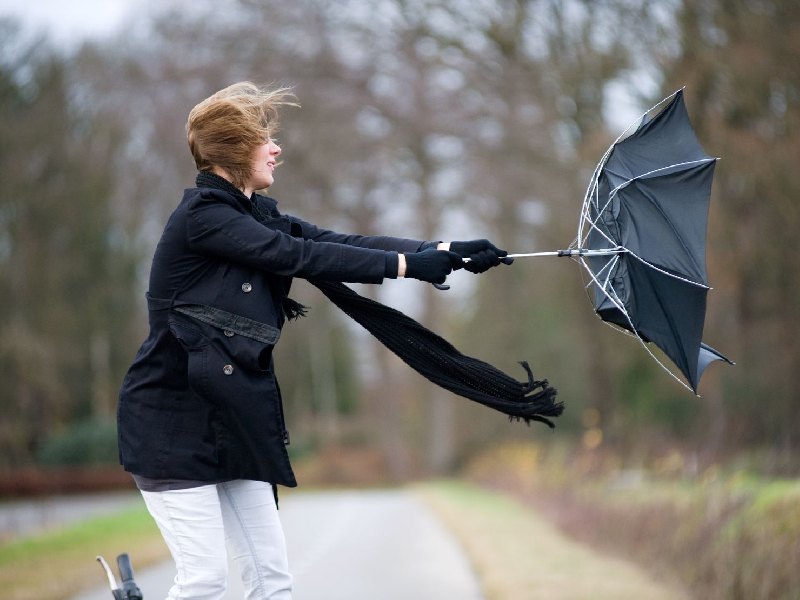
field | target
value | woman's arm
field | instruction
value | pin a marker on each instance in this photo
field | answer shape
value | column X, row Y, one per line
column 378, row 242
column 216, row 227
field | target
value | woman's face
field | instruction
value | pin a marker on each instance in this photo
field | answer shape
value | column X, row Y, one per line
column 264, row 159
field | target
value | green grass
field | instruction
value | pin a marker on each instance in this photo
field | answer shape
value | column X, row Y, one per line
column 60, row 563
column 768, row 494
column 520, row 556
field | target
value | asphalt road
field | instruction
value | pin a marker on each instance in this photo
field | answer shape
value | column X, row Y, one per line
column 353, row 545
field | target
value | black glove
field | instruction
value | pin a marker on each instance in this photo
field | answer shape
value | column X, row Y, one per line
column 482, row 254
column 432, row 265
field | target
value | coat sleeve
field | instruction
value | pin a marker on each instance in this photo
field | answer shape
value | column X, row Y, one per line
column 216, row 227
column 378, row 242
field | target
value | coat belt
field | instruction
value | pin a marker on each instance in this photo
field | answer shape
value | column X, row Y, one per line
column 219, row 318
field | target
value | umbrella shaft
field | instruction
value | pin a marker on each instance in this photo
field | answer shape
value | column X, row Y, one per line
column 573, row 252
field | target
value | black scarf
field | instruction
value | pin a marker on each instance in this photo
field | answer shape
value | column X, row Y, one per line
column 427, row 353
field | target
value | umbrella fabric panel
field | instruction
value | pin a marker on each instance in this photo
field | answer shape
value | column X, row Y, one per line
column 706, row 357
column 671, row 316
column 664, row 219
column 670, row 313
column 665, row 140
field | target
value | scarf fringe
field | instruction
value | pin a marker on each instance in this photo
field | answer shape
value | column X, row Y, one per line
column 293, row 310
column 544, row 400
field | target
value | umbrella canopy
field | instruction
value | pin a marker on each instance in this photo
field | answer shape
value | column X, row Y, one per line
column 642, row 237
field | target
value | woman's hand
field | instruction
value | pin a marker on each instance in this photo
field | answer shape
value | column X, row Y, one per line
column 482, row 254
column 429, row 265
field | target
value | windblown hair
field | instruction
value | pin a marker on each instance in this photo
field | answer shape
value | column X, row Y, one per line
column 224, row 130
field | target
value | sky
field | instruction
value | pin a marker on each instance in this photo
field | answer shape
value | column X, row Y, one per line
column 70, row 21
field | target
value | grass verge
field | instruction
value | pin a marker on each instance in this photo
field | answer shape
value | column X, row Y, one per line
column 721, row 534
column 521, row 556
column 59, row 564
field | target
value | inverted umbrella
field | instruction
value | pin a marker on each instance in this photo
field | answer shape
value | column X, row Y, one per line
column 642, row 236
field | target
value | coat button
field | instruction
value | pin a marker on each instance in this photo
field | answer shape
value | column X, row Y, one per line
column 227, row 369
column 246, row 287
column 228, row 333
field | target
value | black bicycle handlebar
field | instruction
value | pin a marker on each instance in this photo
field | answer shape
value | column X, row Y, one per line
column 125, row 568
column 129, row 588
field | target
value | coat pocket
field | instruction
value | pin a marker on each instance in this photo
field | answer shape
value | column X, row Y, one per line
column 247, row 342
column 242, row 351
column 237, row 342
column 195, row 342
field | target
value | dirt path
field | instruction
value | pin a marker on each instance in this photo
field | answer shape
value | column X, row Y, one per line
column 518, row 555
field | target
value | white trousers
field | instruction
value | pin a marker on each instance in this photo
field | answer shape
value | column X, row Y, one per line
column 198, row 523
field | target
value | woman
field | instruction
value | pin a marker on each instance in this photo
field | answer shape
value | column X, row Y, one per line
column 200, row 418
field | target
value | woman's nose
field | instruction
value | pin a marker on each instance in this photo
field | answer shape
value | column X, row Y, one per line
column 274, row 148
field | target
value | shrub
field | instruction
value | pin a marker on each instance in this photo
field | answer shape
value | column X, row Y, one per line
column 82, row 443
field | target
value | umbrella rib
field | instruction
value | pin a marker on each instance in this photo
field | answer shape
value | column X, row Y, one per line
column 587, row 216
column 586, row 289
column 580, row 240
column 611, row 264
column 615, row 300
column 593, row 225
column 645, row 113
column 663, row 272
column 591, row 190
column 593, row 222
column 608, row 266
column 681, row 164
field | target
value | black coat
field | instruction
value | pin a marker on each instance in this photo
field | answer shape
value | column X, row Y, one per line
column 201, row 400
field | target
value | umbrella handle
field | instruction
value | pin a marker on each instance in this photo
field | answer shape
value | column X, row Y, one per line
column 443, row 287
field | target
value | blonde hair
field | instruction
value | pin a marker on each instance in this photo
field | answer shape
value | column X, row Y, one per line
column 225, row 129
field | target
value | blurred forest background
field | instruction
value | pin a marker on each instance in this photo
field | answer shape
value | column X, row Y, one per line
column 430, row 119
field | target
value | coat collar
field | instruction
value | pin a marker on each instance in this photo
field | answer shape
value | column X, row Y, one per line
column 258, row 205
column 207, row 179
